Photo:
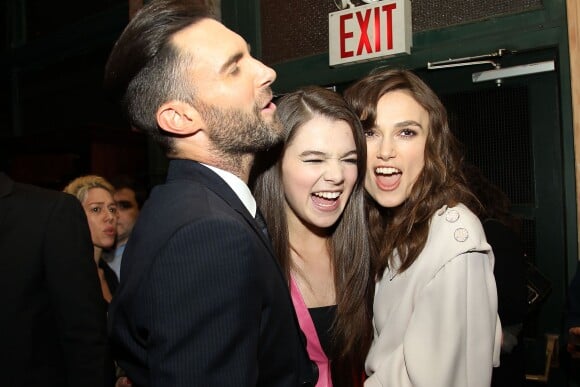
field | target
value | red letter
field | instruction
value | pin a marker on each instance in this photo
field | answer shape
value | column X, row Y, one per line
column 345, row 35
column 389, row 11
column 377, row 29
column 364, row 37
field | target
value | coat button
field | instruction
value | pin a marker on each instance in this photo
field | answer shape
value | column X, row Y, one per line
column 461, row 234
column 452, row 216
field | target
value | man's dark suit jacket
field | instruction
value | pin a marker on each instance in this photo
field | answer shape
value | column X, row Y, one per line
column 53, row 316
column 202, row 300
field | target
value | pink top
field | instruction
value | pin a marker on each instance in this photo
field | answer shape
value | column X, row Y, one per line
column 313, row 346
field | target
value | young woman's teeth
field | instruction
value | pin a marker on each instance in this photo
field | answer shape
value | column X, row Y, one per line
column 386, row 171
column 327, row 195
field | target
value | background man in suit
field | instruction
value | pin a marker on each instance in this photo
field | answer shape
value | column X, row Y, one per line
column 202, row 301
column 129, row 195
column 53, row 320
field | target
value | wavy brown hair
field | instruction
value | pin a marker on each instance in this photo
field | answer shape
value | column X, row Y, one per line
column 348, row 242
column 441, row 182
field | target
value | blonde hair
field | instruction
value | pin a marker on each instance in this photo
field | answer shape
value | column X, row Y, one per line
column 81, row 185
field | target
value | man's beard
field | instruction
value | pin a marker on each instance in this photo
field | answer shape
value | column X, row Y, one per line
column 234, row 132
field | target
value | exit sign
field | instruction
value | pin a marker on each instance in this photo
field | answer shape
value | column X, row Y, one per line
column 369, row 32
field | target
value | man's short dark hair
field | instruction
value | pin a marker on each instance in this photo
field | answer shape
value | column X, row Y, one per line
column 126, row 181
column 145, row 69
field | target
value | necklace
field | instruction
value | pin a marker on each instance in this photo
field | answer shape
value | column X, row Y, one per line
column 391, row 274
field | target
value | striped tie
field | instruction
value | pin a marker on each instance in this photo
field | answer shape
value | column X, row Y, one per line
column 262, row 223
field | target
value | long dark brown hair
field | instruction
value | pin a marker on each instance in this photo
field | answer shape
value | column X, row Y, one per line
column 406, row 227
column 348, row 243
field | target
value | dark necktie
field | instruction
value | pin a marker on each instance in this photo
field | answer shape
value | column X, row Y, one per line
column 262, row 223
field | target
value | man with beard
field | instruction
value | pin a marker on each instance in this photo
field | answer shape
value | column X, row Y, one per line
column 202, row 301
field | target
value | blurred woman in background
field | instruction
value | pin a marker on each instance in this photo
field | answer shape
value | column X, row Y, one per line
column 96, row 196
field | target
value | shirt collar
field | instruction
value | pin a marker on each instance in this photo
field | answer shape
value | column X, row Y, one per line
column 240, row 188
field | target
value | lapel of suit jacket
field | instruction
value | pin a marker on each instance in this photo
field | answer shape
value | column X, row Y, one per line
column 6, row 188
column 207, row 177
column 6, row 185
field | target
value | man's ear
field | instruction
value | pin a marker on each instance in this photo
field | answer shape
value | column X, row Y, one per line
column 179, row 118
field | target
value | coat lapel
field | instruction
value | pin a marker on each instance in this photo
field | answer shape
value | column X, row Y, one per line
column 6, row 185
column 6, row 188
column 194, row 170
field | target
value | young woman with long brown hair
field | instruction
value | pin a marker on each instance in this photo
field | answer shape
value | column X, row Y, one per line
column 435, row 307
column 311, row 195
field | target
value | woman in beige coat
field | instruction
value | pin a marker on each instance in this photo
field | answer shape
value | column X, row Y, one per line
column 435, row 309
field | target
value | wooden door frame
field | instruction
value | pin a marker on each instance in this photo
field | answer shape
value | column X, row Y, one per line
column 573, row 17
